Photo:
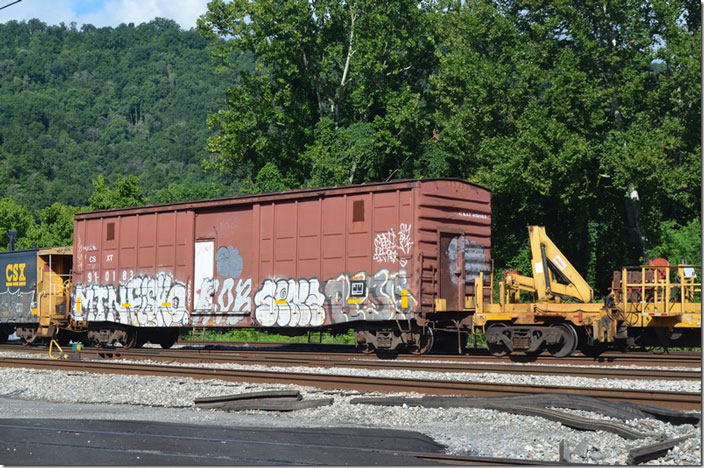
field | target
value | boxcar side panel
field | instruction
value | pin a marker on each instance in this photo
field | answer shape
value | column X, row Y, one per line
column 133, row 269
column 333, row 232
column 371, row 281
column 266, row 239
column 454, row 240
column 335, row 258
column 308, row 248
column 288, row 291
column 18, row 289
column 360, row 253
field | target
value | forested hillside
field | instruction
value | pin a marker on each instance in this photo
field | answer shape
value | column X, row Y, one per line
column 79, row 103
column 582, row 117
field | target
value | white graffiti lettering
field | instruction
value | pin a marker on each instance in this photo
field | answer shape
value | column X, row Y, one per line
column 141, row 301
column 290, row 303
column 387, row 245
column 384, row 296
column 233, row 302
column 18, row 304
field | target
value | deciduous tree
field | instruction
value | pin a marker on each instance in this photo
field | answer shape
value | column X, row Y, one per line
column 336, row 93
column 579, row 116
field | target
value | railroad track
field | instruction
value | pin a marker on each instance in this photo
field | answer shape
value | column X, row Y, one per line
column 337, row 360
column 462, row 460
column 330, row 351
column 640, row 358
column 664, row 399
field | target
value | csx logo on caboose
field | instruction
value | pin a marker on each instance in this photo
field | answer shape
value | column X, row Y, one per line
column 14, row 274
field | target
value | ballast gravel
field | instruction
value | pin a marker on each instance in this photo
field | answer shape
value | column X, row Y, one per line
column 477, row 377
column 35, row 393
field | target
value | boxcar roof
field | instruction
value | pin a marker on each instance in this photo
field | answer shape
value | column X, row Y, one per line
column 269, row 197
column 56, row 250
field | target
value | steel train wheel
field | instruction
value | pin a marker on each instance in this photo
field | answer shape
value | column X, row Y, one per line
column 168, row 338
column 27, row 335
column 568, row 343
column 131, row 339
column 499, row 349
column 422, row 342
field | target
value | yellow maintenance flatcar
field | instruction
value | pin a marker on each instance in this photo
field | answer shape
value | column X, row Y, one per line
column 651, row 305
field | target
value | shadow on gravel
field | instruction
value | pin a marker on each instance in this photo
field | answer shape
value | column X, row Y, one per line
column 61, row 442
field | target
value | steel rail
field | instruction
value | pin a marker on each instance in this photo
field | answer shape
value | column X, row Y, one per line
column 463, row 460
column 664, row 399
column 680, row 359
column 335, row 360
column 675, row 358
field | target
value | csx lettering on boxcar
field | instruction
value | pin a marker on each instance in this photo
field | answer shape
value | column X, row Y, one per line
column 14, row 274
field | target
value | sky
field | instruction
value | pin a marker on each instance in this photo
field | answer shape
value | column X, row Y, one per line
column 104, row 12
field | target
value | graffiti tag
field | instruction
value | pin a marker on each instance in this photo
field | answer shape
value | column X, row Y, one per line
column 288, row 302
column 387, row 245
column 141, row 301
column 386, row 296
column 17, row 304
column 474, row 258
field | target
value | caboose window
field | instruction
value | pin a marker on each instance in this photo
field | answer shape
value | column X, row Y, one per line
column 358, row 210
column 111, row 231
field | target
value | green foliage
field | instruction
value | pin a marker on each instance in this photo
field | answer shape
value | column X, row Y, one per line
column 55, row 227
column 335, row 94
column 75, row 103
column 177, row 192
column 19, row 218
column 269, row 179
column 571, row 115
column 256, row 336
column 127, row 192
column 52, row 227
column 339, row 152
column 576, row 116
column 581, row 117
column 678, row 242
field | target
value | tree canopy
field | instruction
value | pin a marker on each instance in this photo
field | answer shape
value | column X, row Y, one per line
column 336, row 93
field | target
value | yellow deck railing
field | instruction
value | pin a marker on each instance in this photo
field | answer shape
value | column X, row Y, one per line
column 660, row 290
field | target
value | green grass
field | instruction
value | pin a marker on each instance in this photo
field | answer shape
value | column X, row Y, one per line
column 480, row 340
column 255, row 336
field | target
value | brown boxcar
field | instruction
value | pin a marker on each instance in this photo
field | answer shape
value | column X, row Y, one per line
column 343, row 257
